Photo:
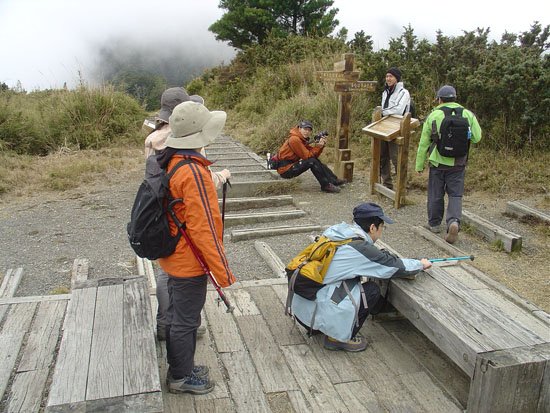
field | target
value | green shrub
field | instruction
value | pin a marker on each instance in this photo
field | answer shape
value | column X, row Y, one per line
column 41, row 122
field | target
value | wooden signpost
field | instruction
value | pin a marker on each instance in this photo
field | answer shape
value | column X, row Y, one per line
column 345, row 80
column 397, row 129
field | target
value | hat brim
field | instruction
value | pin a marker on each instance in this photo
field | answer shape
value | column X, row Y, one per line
column 386, row 219
column 197, row 98
column 164, row 114
column 205, row 137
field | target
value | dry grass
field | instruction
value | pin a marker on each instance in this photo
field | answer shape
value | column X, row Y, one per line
column 23, row 175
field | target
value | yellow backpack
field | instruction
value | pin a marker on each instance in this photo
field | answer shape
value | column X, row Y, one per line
column 314, row 260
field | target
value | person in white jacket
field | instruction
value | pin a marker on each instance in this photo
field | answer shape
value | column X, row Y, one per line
column 396, row 100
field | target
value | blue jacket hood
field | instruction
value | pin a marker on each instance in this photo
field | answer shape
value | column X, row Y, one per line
column 344, row 231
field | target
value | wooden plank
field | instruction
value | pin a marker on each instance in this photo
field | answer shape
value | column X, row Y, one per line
column 233, row 204
column 451, row 378
column 34, row 299
column 26, row 391
column 520, row 210
column 511, row 242
column 205, row 354
column 507, row 333
column 441, row 317
column 267, row 357
column 244, row 385
column 388, row 386
column 17, row 323
column 255, row 283
column 506, row 292
column 11, row 282
column 465, row 277
column 106, row 369
column 258, row 217
column 214, row 406
column 246, row 234
column 283, row 329
column 42, row 339
column 438, row 241
column 140, row 366
column 139, row 403
column 271, row 258
column 515, row 313
column 358, row 397
column 312, row 379
column 222, row 325
column 387, row 192
column 242, row 302
column 80, row 271
column 430, row 396
column 509, row 380
column 339, row 366
column 71, row 369
column 150, row 273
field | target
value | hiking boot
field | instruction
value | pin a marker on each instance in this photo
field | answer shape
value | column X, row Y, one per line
column 161, row 332
column 435, row 229
column 340, row 182
column 331, row 189
column 452, row 233
column 191, row 384
column 199, row 371
column 357, row 343
column 201, row 331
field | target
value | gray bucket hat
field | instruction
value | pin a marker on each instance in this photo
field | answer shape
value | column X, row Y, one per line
column 194, row 126
column 171, row 98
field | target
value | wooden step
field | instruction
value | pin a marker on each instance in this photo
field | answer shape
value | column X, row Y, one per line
column 245, row 234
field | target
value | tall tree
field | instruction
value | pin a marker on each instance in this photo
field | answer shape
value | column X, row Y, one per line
column 248, row 22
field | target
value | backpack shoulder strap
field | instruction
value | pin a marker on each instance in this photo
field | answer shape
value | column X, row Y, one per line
column 446, row 110
column 177, row 166
column 459, row 111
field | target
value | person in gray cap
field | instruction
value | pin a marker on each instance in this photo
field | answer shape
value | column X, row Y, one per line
column 343, row 303
column 154, row 144
column 446, row 172
column 396, row 100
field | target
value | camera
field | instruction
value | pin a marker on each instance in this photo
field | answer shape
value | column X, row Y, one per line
column 322, row 134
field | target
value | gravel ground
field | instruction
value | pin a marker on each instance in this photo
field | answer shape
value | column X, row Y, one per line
column 45, row 233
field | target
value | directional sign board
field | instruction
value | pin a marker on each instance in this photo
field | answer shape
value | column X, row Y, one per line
column 338, row 76
column 359, row 86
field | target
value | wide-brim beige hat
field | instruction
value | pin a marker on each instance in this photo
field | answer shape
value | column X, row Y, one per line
column 194, row 126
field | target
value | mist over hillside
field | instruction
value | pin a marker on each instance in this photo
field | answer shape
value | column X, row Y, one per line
column 177, row 60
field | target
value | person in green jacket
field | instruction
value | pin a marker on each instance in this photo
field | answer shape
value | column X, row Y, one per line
column 446, row 173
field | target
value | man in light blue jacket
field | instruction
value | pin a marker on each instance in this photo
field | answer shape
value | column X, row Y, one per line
column 343, row 304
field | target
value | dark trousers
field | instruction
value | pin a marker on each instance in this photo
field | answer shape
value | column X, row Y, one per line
column 388, row 155
column 374, row 302
column 187, row 297
column 451, row 182
column 322, row 172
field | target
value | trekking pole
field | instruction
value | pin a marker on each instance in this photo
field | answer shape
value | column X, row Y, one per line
column 466, row 257
column 199, row 258
column 224, row 195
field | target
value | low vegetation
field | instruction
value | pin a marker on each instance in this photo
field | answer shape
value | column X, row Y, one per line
column 58, row 139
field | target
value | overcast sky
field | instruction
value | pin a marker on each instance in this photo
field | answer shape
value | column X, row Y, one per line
column 44, row 43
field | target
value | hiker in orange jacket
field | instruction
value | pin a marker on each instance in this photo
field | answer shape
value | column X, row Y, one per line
column 296, row 156
column 193, row 127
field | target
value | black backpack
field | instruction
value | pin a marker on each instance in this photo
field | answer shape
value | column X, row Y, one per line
column 148, row 229
column 453, row 139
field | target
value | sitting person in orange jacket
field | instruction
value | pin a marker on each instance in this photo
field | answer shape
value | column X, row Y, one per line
column 296, row 156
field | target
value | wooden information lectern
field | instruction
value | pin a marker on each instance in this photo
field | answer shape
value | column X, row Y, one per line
column 397, row 129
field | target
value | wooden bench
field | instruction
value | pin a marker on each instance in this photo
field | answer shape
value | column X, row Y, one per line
column 499, row 340
column 107, row 359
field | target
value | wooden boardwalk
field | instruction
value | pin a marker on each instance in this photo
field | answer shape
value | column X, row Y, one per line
column 263, row 362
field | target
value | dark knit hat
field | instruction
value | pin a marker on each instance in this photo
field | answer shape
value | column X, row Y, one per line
column 395, row 72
